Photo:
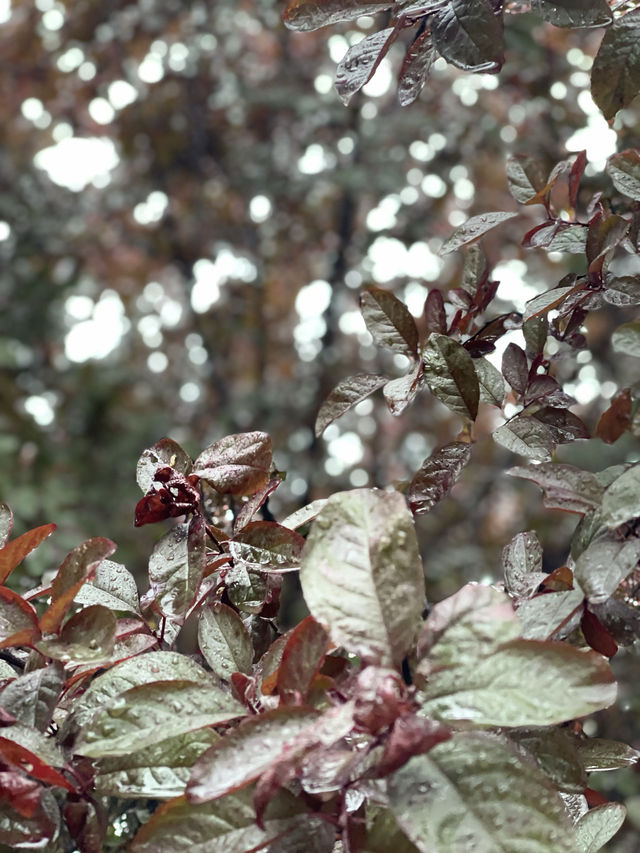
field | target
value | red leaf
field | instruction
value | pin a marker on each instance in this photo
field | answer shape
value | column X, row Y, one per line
column 575, row 176
column 616, row 420
column 237, row 464
column 23, row 794
column 410, row 735
column 18, row 756
column 597, row 635
column 302, row 659
column 15, row 551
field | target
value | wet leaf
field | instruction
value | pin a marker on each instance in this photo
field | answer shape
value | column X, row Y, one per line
column 360, row 62
column 468, row 34
column 515, row 368
column 77, row 567
column 574, row 13
column 302, row 658
column 477, row 792
column 268, row 547
column 88, row 637
column 389, row 321
column 149, row 713
column 113, row 586
column 600, row 754
column 29, row 814
column 528, row 182
column 615, row 75
column 237, row 464
column 547, row 301
column 167, row 453
column 415, row 68
column 451, row 376
column 435, row 316
column 362, row 576
column 251, row 506
column 411, row 735
column 160, row 771
column 543, row 615
column 490, row 382
column 401, row 392
column 176, row 567
column 526, row 436
column 522, row 562
column 621, row 501
column 16, row 751
column 474, row 228
column 303, row 516
column 344, row 396
column 224, row 641
column 565, row 486
column 437, row 476
column 18, row 620
column 384, row 835
column 312, row 14
column 575, row 176
column 14, row 552
column 247, row 590
column 604, row 565
column 605, row 234
column 32, row 697
column 623, row 290
column 556, row 752
column 596, row 635
column 6, row 523
column 599, row 825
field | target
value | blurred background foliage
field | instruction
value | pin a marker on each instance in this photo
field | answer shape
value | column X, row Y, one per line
column 187, row 216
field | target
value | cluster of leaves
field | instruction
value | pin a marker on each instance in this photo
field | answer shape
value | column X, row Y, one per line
column 469, row 34
column 365, row 724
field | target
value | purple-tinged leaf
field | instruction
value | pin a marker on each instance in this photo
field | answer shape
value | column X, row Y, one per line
column 473, row 229
column 544, row 615
column 490, row 382
column 30, row 813
column 400, row 393
column 389, row 321
column 149, row 713
column 615, row 420
column 362, row 576
column 549, row 300
column 475, row 270
column 455, row 798
column 224, row 641
column 574, row 13
column 304, row 515
column 31, row 698
column 544, row 390
column 415, row 68
column 18, row 620
column 526, row 436
column 251, row 506
column 522, row 563
column 437, row 476
column 14, row 552
column 435, row 316
column 360, row 62
column 624, row 168
column 15, row 754
column 535, row 331
column 615, row 75
column 176, row 567
column 596, row 635
column 605, row 234
column 565, row 487
column 88, row 637
column 599, row 825
column 469, row 35
column 305, row 15
column 569, row 237
column 242, row 756
column 78, row 566
column 515, row 368
column 268, row 547
column 344, row 396
column 160, row 771
column 167, row 453
column 451, row 376
column 626, row 339
column 113, row 586
column 411, row 735
column 623, row 291
column 6, row 523
column 248, row 590
column 302, row 658
column 237, row 464
column 604, row 565
column 621, row 500
column 575, row 176
column 528, row 182
column 564, row 426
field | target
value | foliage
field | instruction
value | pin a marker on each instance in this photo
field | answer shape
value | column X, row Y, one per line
column 378, row 721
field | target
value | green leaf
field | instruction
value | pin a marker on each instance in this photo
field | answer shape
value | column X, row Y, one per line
column 243, row 755
column 599, row 754
column 522, row 562
column 626, row 339
column 360, row 62
column 477, row 792
column 237, row 464
column 621, row 501
column 362, row 576
column 224, row 641
column 176, row 567
column 167, row 453
column 574, row 13
column 490, row 382
column 565, row 486
column 88, row 637
column 556, row 752
column 469, row 35
column 32, row 697
column 344, row 396
column 149, row 713
column 267, row 547
column 113, row 586
column 385, row 835
column 522, row 683
column 437, row 476
column 473, row 229
column 226, row 825
column 451, row 376
column 399, row 393
column 247, row 590
column 389, row 321
column 526, row 436
column 160, row 771
column 615, row 75
column 307, row 15
column 543, row 615
column 604, row 565
column 599, row 825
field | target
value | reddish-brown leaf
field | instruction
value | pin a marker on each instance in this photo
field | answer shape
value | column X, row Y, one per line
column 18, row 756
column 15, row 551
column 411, row 735
column 597, row 635
column 302, row 659
column 18, row 620
column 616, row 420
